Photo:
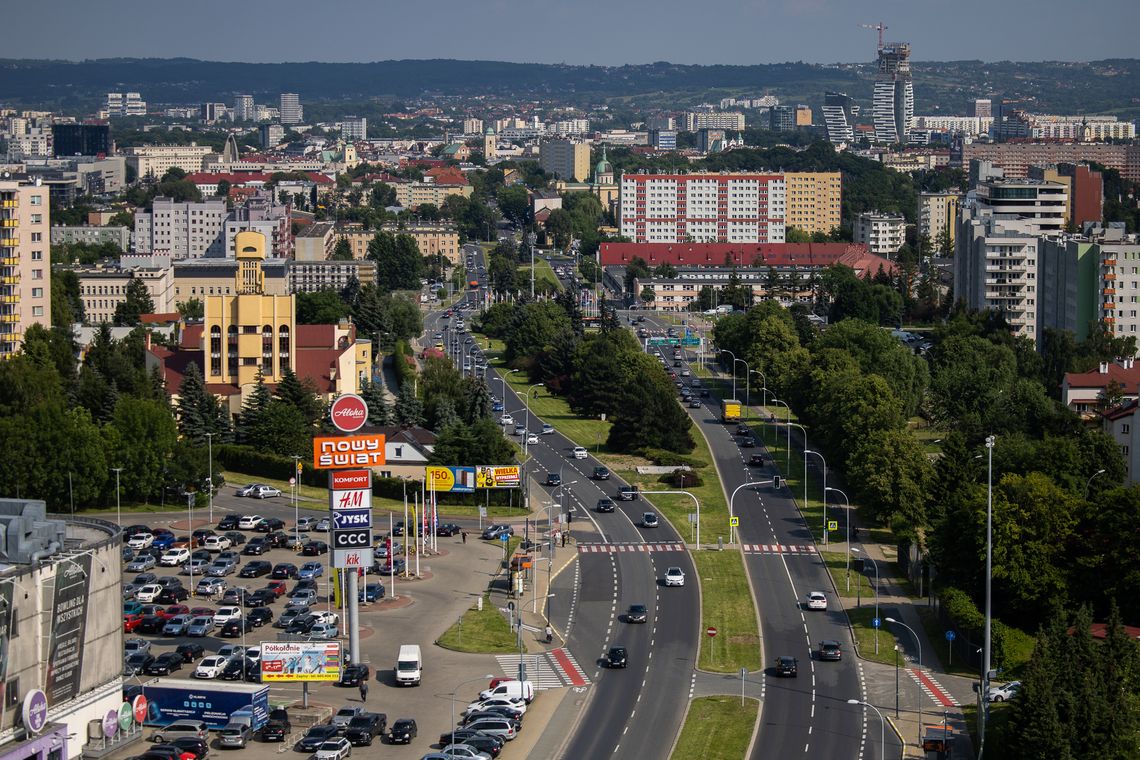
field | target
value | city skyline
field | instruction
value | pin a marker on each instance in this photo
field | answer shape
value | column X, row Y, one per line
column 590, row 32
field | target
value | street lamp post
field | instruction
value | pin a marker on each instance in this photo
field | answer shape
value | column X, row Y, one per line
column 747, row 375
column 847, row 519
column 876, row 589
column 917, row 641
column 210, row 479
column 764, row 389
column 989, row 578
column 726, row 351
column 118, row 503
column 806, row 452
column 731, row 498
column 296, row 488
column 788, row 424
column 882, row 726
column 462, row 683
column 695, row 501
column 562, row 498
column 1090, row 480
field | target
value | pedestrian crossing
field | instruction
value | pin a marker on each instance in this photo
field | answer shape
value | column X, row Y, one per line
column 780, row 549
column 546, row 670
column 671, row 546
column 931, row 688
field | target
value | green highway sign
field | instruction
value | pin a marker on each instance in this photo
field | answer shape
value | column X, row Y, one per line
column 664, row 341
column 690, row 341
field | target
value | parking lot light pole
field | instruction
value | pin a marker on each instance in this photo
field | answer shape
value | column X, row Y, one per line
column 917, row 641
column 847, row 503
column 882, row 726
column 118, row 503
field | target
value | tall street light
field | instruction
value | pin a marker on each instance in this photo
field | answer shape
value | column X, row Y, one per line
column 462, row 683
column 788, row 424
column 118, row 503
column 726, row 351
column 210, row 479
column 882, row 726
column 917, row 641
column 1090, row 480
column 847, row 518
column 876, row 565
column 816, row 453
column 503, row 383
column 731, row 512
column 764, row 390
column 989, row 579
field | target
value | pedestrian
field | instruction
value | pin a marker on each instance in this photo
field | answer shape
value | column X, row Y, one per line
column 464, row 534
column 549, row 634
column 564, row 539
column 363, row 690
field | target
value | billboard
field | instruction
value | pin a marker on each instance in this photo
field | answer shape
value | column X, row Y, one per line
column 358, row 498
column 68, row 625
column 497, row 476
column 283, row 662
column 453, row 479
column 174, row 699
column 349, row 451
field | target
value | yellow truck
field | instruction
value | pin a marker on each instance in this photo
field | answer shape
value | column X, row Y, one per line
column 730, row 410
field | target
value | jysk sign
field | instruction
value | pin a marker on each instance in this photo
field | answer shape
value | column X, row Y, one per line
column 351, row 518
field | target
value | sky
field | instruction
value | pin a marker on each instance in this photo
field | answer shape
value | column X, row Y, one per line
column 603, row 32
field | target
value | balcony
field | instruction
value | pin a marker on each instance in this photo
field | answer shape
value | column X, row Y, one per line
column 1109, row 320
column 1109, row 262
column 1108, row 305
column 1109, row 291
column 9, row 242
column 9, row 223
column 1109, row 277
column 9, row 318
column 9, row 204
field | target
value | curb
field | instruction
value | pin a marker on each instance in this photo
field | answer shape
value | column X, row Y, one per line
column 898, row 733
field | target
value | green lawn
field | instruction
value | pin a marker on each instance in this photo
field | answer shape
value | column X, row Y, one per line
column 480, row 631
column 717, row 728
column 543, row 273
column 726, row 604
column 865, row 635
column 860, row 584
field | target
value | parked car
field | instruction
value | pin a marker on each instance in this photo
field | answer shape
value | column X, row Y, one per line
column 137, row 663
column 195, row 567
column 337, row 748
column 190, row 651
column 447, row 529
column 180, row 728
column 284, row 570
column 277, row 727
column 371, row 592
column 251, row 522
column 211, row 667
column 148, row 593
column 256, row 547
column 226, row 614
column 247, row 490
column 202, row 625
column 140, row 541
column 165, row 664
column 176, row 626
column 259, row 616
column 403, row 731
column 315, row 737
column 234, row 735
column 174, row 557
column 236, row 538
column 140, row 563
column 324, row 631
column 1003, row 692
column 314, row 548
column 210, row 586
column 235, row 627
column 260, row 598
column 364, row 727
column 172, row 595
column 216, row 543
column 229, row 522
column 221, row 568
column 311, row 570
column 341, row 717
column 256, row 569
column 496, row 531
column 352, row 674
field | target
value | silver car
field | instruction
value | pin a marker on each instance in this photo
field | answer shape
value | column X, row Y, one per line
column 501, row 727
column 221, row 568
column 234, row 735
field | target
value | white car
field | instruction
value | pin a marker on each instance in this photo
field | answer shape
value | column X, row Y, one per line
column 216, row 543
column 226, row 614
column 674, row 576
column 532, row 439
column 141, row 541
column 506, row 419
column 685, row 373
column 211, row 667
column 580, row 453
column 249, row 522
column 326, row 617
column 336, row 748
column 1004, row 692
column 461, row 751
column 148, row 593
column 515, row 703
column 253, row 654
column 174, row 557
column 547, row 429
column 816, row 600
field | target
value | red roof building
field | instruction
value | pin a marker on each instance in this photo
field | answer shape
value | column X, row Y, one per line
column 800, row 255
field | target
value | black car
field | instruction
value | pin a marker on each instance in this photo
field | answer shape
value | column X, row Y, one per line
column 229, row 522
column 260, row 598
column 601, row 473
column 301, row 624
column 315, row 737
column 830, row 650
column 627, row 493
column 362, row 729
column 256, row 547
column 200, row 747
column 756, row 460
column 237, row 538
column 617, row 657
column 398, row 528
column 190, row 652
column 131, row 530
column 787, row 666
column 150, row 624
column 492, row 745
column 314, row 549
column 283, row 570
column 277, row 539
column 161, row 752
column 165, row 664
column 259, row 616
column 277, row 727
column 637, row 613
column 128, row 553
column 353, row 674
column 270, row 524
column 605, row 505
column 137, row 663
column 256, row 569
column 747, row 442
column 235, row 670
column 403, row 731
column 447, row 529
column 200, row 535
column 202, row 554
column 234, row 628
column 553, row 479
column 172, row 595
column 460, row 736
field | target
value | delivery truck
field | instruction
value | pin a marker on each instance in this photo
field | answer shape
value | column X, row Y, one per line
column 174, row 699
column 730, row 410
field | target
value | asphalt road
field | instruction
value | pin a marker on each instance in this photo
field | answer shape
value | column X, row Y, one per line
column 807, row 715
column 636, row 711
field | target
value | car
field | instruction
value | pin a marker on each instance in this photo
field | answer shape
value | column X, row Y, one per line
column 464, row 735
column 256, row 569
column 353, row 673
column 830, row 650
column 532, row 439
column 260, row 598
column 256, row 547
column 174, row 557
column 617, row 657
column 403, row 731
column 235, row 735
column 195, row 567
column 786, row 666
column 685, row 372
column 235, row 595
column 236, row 538
column 278, row 587
column 520, row 429
column 181, row 728
column 344, row 715
column 288, row 616
column 816, row 600
column 216, row 543
column 553, row 479
column 579, row 452
column 371, row 592
column 136, row 646
column 176, row 626
column 211, row 667
column 235, row 670
column 165, row 664
column 704, row 391
column 137, row 663
column 306, row 523
column 235, row 627
column 516, row 705
column 311, row 570
column 324, row 632
column 649, row 520
column 277, row 727
column 627, row 493
column 247, row 490
column 315, row 737
column 495, row 532
column 226, row 614
column 210, row 586
column 506, row 419
column 363, row 727
column 199, row 536
column 220, row 568
column 141, row 541
column 674, row 576
column 637, row 613
column 131, row 622
column 495, row 726
column 1004, row 692
column 229, row 522
column 605, row 505
column 172, row 595
column 547, row 429
column 283, row 570
column 448, row 529
column 265, row 492
column 747, row 442
column 259, row 616
column 314, row 549
column 497, row 406
column 148, row 593
column 140, row 563
column 463, row 752
column 190, row 651
column 172, row 610
column 743, row 430
column 756, row 460
column 600, row 473
column 695, row 403
column 270, row 525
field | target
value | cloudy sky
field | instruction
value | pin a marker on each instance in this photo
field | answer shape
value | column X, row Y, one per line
column 570, row 31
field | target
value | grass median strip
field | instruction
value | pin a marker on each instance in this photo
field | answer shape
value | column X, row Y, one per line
column 482, row 631
column 717, row 728
column 726, row 604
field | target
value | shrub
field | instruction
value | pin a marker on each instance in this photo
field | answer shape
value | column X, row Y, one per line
column 664, row 458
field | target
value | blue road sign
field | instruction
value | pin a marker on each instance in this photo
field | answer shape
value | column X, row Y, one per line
column 875, row 622
column 505, row 537
column 950, row 635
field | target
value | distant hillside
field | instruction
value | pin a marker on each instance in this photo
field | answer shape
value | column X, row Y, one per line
column 1096, row 87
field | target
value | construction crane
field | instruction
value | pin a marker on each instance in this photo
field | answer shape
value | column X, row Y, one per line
column 880, row 27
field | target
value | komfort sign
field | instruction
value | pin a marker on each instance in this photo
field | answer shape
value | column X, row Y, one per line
column 349, row 413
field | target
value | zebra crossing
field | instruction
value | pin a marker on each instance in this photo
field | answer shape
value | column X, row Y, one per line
column 547, row 670
column 780, row 549
column 671, row 546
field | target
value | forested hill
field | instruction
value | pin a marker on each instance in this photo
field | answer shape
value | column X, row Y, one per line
column 1101, row 86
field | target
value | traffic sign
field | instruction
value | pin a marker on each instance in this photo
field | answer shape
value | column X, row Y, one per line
column 875, row 622
column 734, row 522
column 292, row 481
column 832, row 525
column 950, row 635
column 711, row 630
column 505, row 537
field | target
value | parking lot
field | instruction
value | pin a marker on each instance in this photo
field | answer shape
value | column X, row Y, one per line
column 415, row 611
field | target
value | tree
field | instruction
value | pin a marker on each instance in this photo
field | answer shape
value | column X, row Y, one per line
column 199, row 411
column 342, row 251
column 324, row 307
column 648, row 294
column 637, row 270
column 136, row 303
column 665, row 270
column 77, row 464
column 301, row 395
column 142, row 439
column 408, row 410
column 66, row 305
column 223, row 188
column 399, row 264
column 649, row 416
column 379, row 411
column 251, row 426
column 514, row 202
column 560, row 227
column 192, row 310
column 891, row 475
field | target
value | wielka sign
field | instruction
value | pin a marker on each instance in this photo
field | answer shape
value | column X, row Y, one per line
column 349, row 413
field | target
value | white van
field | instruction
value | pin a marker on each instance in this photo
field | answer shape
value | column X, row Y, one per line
column 511, row 690
column 409, row 665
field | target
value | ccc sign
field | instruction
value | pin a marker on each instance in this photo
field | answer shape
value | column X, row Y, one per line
column 351, row 539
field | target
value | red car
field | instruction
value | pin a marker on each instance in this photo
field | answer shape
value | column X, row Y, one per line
column 202, row 611
column 131, row 622
column 277, row 587
column 173, row 611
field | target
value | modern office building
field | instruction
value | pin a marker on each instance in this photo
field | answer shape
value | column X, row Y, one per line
column 1085, row 190
column 119, row 105
column 882, row 233
column 839, row 114
column 980, row 108
column 292, row 112
column 663, row 139
column 211, row 113
column 815, row 201
column 270, row 135
column 893, row 103
column 937, row 216
column 155, row 160
column 244, row 109
column 703, row 207
column 25, row 261
column 1043, row 203
column 732, row 121
column 565, row 159
column 186, row 230
column 81, row 140
column 781, row 119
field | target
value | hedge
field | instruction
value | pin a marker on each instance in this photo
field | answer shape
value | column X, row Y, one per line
column 403, row 362
column 664, row 458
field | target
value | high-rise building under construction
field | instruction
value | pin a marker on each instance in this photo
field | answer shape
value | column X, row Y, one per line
column 893, row 104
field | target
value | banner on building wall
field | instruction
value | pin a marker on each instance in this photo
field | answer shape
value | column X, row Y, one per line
column 68, row 626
